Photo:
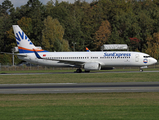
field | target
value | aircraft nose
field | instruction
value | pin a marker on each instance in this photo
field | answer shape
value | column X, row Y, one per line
column 154, row 61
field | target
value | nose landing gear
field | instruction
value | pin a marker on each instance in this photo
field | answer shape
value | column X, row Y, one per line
column 141, row 68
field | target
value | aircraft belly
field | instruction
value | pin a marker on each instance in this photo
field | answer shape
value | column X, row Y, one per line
column 117, row 62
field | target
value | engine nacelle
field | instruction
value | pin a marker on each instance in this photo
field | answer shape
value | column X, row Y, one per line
column 92, row 66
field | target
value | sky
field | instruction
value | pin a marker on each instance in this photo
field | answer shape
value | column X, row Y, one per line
column 18, row 3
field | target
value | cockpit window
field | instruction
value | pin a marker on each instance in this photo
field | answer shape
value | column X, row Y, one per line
column 147, row 56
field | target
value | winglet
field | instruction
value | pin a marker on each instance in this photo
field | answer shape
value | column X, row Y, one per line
column 87, row 49
column 37, row 55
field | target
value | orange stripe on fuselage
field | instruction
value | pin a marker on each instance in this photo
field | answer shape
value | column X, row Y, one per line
column 30, row 49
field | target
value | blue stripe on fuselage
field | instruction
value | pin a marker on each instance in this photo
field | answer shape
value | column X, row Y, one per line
column 28, row 51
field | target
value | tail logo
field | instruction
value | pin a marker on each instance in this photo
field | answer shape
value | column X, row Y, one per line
column 22, row 36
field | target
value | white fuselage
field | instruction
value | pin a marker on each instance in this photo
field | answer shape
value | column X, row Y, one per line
column 105, row 59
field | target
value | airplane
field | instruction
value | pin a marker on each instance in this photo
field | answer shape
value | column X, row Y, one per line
column 89, row 61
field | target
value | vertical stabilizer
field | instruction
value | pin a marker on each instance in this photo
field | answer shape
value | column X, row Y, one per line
column 23, row 42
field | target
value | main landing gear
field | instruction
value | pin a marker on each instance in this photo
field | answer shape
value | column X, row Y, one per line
column 78, row 70
column 141, row 70
column 87, row 71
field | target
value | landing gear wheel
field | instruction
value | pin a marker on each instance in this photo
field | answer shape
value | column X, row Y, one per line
column 78, row 70
column 141, row 70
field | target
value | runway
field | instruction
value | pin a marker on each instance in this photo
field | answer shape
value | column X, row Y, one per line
column 79, row 88
column 76, row 73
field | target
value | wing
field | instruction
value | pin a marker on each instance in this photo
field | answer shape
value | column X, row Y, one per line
column 73, row 62
column 70, row 61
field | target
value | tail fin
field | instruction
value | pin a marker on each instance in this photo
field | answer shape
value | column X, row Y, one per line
column 23, row 42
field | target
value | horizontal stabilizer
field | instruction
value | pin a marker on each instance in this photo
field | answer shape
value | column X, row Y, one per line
column 22, row 55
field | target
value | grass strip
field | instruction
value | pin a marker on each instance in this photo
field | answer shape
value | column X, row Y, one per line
column 113, row 106
column 80, row 78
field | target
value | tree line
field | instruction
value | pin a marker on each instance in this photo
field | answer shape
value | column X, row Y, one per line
column 73, row 26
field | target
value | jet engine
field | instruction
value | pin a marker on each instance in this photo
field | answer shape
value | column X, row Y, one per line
column 92, row 66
